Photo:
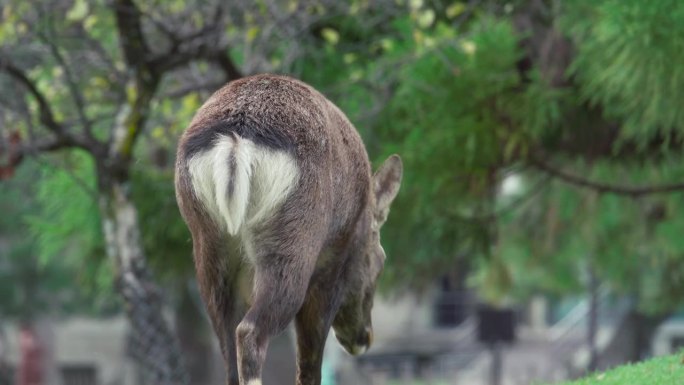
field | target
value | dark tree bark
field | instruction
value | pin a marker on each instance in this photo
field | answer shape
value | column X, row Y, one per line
column 645, row 327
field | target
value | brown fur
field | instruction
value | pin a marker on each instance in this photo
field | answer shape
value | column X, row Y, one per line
column 317, row 259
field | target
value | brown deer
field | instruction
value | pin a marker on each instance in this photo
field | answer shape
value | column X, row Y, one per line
column 275, row 185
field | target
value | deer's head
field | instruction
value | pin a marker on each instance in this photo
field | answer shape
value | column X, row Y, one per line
column 352, row 324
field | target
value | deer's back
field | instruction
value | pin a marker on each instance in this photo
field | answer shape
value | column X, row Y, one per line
column 263, row 142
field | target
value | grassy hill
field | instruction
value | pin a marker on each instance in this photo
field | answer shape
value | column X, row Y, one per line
column 658, row 371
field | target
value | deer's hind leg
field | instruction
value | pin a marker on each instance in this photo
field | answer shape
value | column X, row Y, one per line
column 218, row 275
column 281, row 278
column 313, row 325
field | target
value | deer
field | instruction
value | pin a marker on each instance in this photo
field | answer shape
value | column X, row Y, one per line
column 275, row 186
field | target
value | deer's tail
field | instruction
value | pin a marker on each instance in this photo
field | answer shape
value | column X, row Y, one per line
column 241, row 183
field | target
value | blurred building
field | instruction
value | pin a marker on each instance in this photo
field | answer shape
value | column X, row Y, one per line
column 432, row 338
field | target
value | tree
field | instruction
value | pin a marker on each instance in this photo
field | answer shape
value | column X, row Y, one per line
column 576, row 99
column 77, row 97
column 90, row 84
column 34, row 287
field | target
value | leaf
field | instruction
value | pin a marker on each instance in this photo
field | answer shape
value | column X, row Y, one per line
column 191, row 102
column 349, row 58
column 455, row 9
column 78, row 11
column 90, row 22
column 468, row 47
column 330, row 35
column 252, row 33
column 387, row 44
column 426, row 18
column 292, row 6
column 415, row 4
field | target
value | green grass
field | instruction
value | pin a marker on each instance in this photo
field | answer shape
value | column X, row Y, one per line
column 658, row 371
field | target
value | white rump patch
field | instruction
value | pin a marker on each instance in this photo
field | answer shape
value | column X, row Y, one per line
column 275, row 176
column 241, row 183
column 254, row 382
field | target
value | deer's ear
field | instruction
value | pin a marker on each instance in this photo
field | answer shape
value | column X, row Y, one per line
column 386, row 182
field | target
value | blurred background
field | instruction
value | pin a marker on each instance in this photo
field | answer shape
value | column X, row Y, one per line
column 538, row 234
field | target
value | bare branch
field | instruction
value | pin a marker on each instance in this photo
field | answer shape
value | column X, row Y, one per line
column 175, row 36
column 63, row 138
column 633, row 191
column 41, row 145
column 47, row 117
column 180, row 55
column 74, row 90
column 227, row 64
column 163, row 27
column 196, row 48
column 17, row 151
column 148, row 69
column 179, row 92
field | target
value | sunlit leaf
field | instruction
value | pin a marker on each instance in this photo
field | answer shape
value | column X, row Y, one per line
column 78, row 11
column 426, row 18
column 455, row 9
column 252, row 33
column 330, row 35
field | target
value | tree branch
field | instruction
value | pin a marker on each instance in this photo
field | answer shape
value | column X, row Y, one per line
column 148, row 71
column 195, row 45
column 188, row 51
column 131, row 37
column 632, row 191
column 18, row 151
column 47, row 118
column 74, row 90
column 130, row 121
column 132, row 118
column 228, row 66
column 179, row 92
column 64, row 138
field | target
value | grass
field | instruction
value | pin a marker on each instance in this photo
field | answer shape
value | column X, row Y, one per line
column 667, row 370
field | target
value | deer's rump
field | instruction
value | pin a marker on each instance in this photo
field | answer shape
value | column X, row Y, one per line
column 240, row 175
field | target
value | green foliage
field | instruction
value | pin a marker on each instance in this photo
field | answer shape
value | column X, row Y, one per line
column 166, row 238
column 461, row 118
column 68, row 232
column 625, row 55
column 33, row 280
column 443, row 121
column 77, row 241
column 438, row 83
column 66, row 224
column 550, row 242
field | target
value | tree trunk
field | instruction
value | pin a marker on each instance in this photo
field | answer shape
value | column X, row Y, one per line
column 645, row 327
column 5, row 373
column 194, row 336
column 592, row 330
column 152, row 344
